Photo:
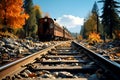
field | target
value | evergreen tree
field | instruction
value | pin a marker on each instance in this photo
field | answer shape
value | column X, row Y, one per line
column 110, row 17
column 95, row 12
column 30, row 27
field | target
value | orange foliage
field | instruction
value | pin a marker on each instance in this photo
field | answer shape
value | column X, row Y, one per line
column 12, row 11
column 94, row 38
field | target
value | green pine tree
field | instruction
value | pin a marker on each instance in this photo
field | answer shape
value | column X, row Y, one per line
column 110, row 17
column 31, row 24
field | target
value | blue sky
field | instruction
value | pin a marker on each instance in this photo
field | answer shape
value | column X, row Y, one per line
column 69, row 13
column 57, row 8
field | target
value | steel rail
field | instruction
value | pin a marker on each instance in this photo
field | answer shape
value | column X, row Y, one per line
column 16, row 66
column 111, row 66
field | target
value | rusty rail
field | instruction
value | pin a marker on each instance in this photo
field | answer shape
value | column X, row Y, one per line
column 111, row 66
column 15, row 66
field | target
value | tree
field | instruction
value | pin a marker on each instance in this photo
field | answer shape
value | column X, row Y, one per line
column 95, row 12
column 82, row 31
column 12, row 14
column 38, row 12
column 110, row 17
column 30, row 25
column 91, row 23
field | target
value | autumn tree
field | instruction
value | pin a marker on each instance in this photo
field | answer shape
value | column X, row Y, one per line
column 38, row 12
column 12, row 14
column 35, row 13
column 91, row 23
column 110, row 17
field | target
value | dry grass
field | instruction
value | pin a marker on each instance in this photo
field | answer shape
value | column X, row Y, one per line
column 8, row 35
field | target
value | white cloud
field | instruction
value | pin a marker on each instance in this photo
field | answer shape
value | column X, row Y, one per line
column 70, row 21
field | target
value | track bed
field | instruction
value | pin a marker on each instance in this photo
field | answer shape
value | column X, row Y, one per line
column 64, row 62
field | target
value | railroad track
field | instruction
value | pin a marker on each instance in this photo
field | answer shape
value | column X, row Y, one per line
column 64, row 61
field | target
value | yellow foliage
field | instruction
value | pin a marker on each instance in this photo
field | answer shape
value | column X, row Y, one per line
column 94, row 38
column 36, row 7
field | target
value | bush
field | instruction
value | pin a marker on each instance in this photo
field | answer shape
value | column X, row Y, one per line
column 94, row 38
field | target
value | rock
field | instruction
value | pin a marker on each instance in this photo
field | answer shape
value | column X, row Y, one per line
column 47, row 72
column 55, row 74
column 64, row 74
column 91, row 63
column 21, row 47
column 3, row 50
column 45, row 76
column 75, row 76
column 76, row 64
column 45, row 45
column 22, row 50
column 8, row 40
column 10, row 46
column 17, row 76
column 24, row 74
column 48, row 76
column 16, row 43
column 12, row 54
column 2, row 43
column 5, row 56
column 20, row 56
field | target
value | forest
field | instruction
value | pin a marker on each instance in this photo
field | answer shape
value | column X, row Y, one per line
column 20, row 18
column 105, row 26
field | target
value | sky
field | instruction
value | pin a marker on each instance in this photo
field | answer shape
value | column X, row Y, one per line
column 68, row 13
